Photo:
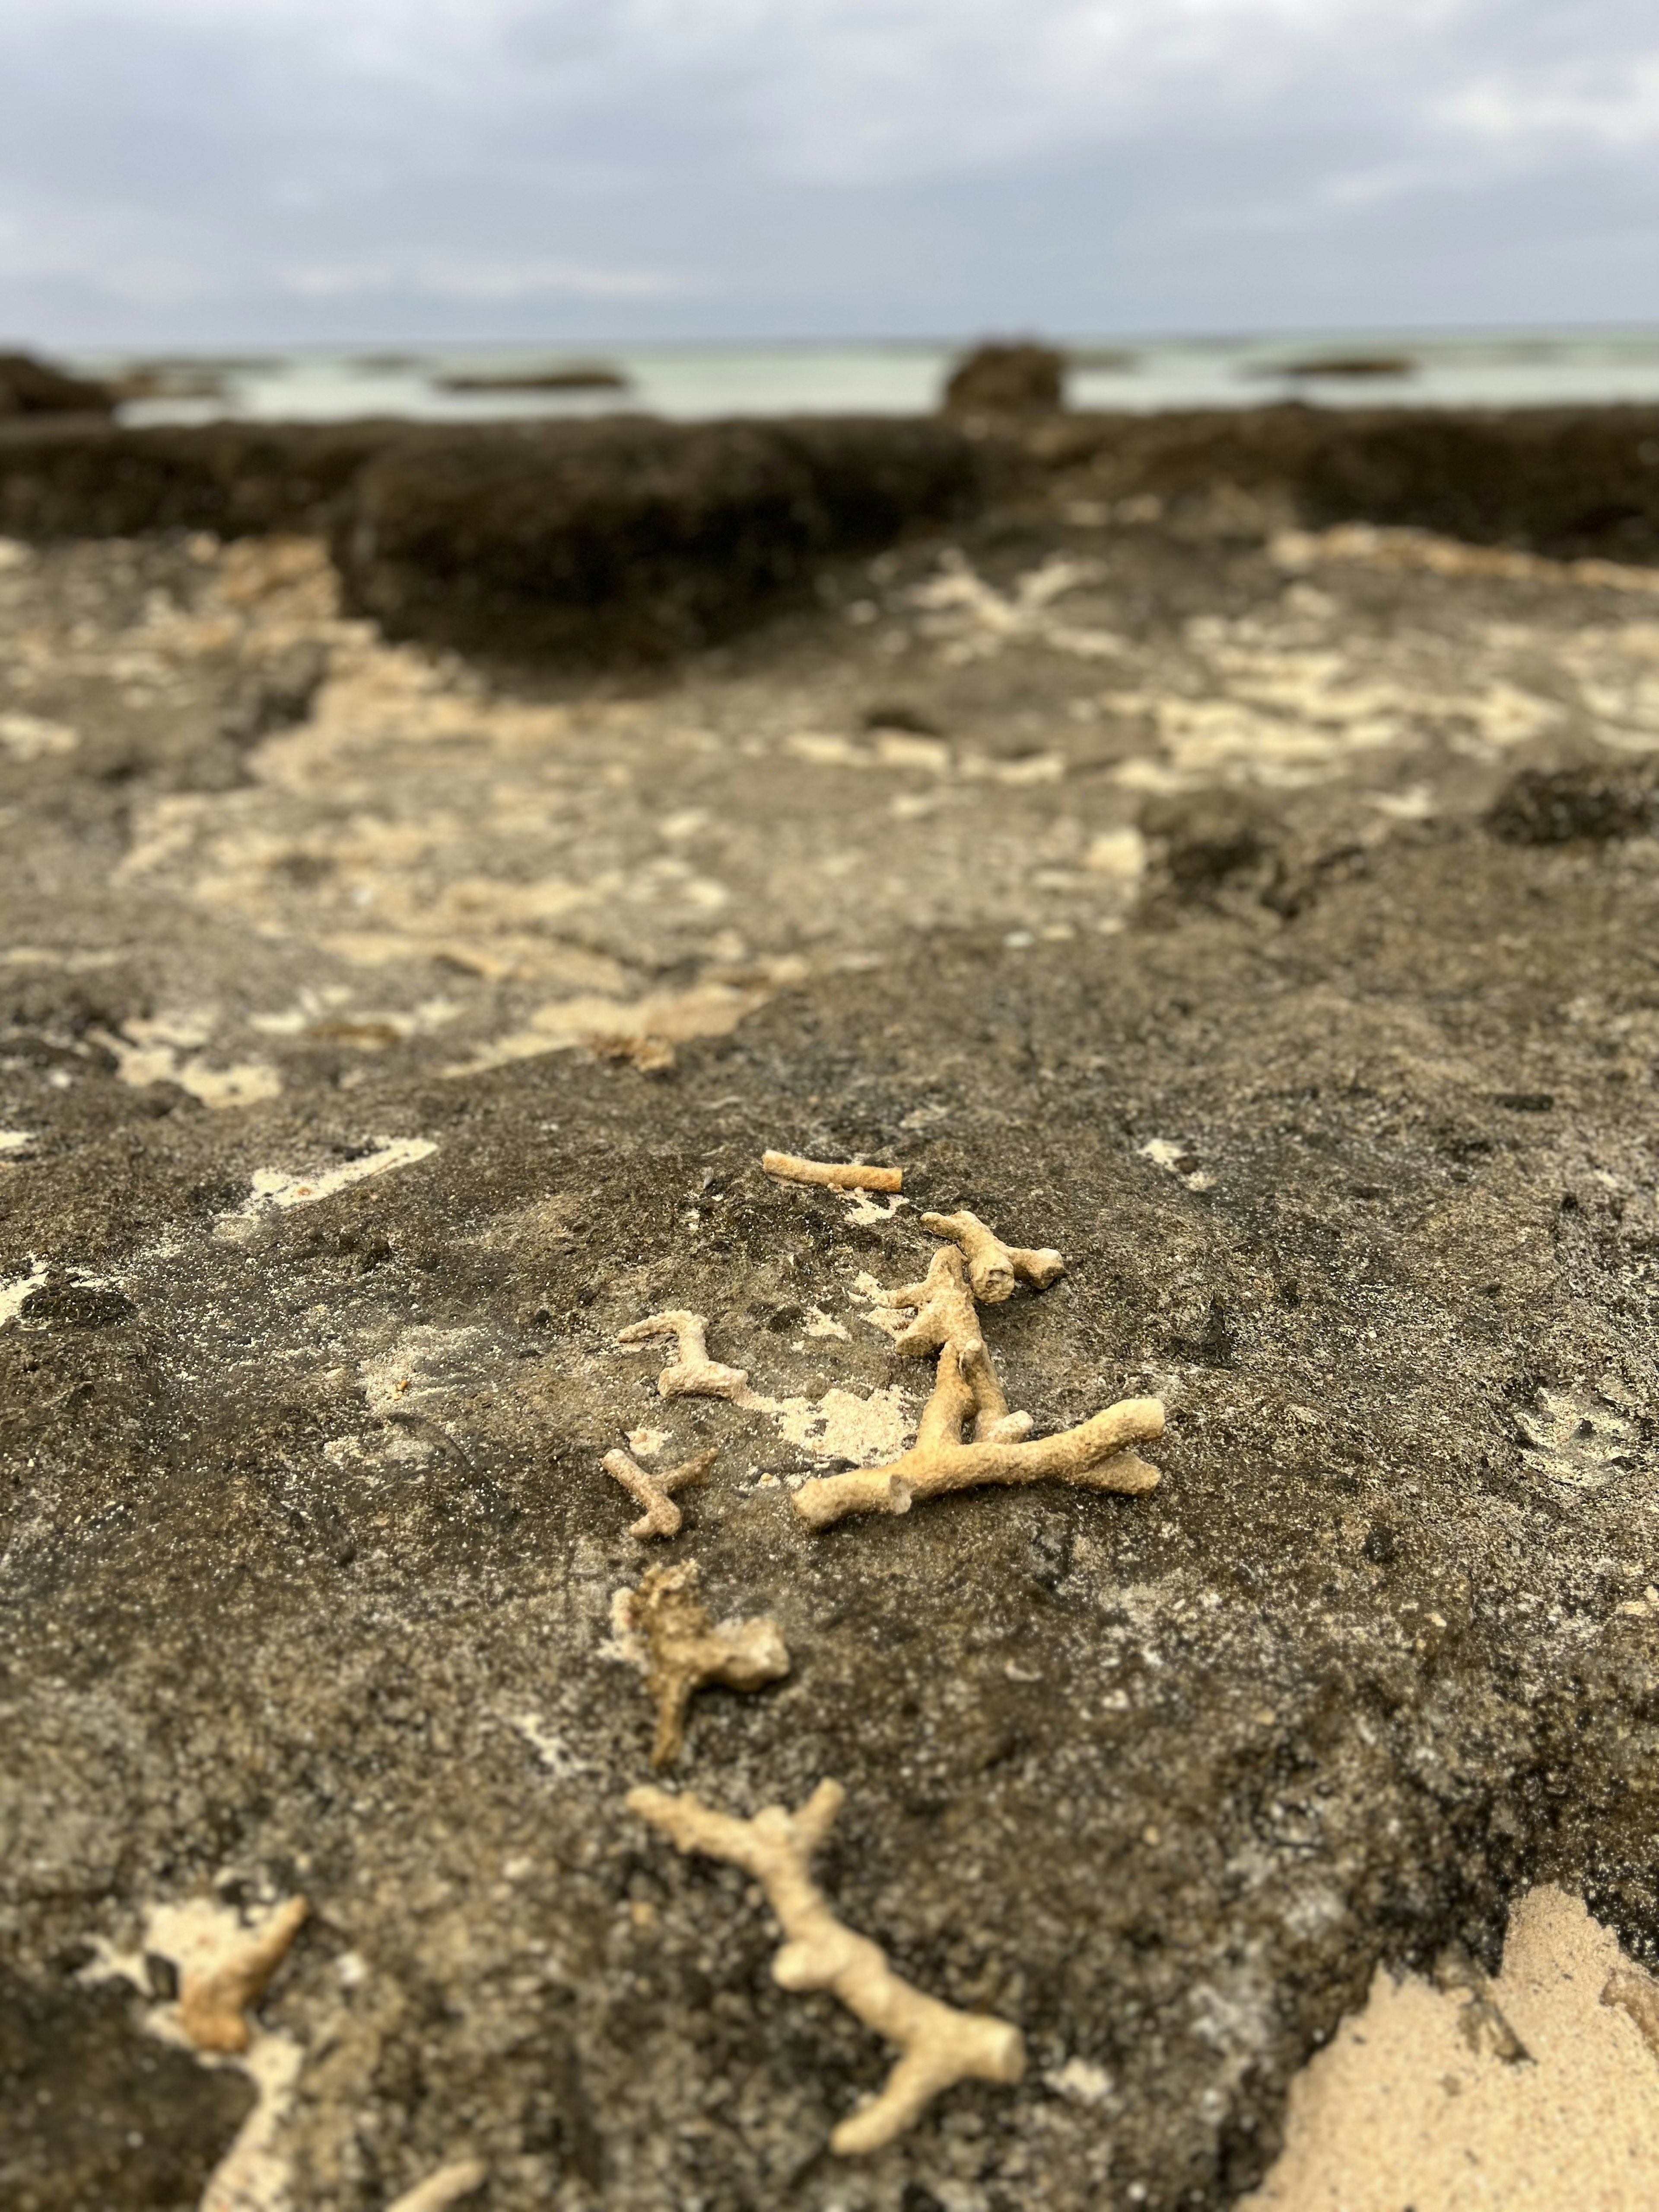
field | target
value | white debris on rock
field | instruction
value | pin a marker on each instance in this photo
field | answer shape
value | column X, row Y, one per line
column 275, row 1189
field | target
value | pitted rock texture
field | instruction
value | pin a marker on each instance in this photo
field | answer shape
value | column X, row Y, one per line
column 309, row 1295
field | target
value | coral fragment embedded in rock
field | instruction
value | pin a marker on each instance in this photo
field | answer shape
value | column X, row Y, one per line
column 683, row 1648
column 831, row 1174
column 214, row 2001
column 938, row 2045
column 662, row 1517
column 994, row 1267
column 459, row 2179
column 1097, row 1454
column 694, row 1373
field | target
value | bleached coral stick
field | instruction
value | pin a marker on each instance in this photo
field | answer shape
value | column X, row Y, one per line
column 938, row 2045
column 831, row 1174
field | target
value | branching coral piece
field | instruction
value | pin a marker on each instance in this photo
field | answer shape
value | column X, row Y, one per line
column 788, row 1167
column 655, row 1491
column 946, row 1315
column 994, row 1267
column 683, row 1648
column 694, row 1373
column 212, row 2001
column 1097, row 1454
column 938, row 2045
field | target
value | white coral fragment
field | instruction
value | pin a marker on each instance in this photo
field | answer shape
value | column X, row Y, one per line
column 693, row 1374
column 662, row 1517
column 938, row 2045
column 1097, row 1454
column 994, row 1267
column 682, row 1648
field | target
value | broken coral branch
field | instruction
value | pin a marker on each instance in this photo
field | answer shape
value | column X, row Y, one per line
column 662, row 1517
column 215, row 1999
column 694, row 1373
column 946, row 1315
column 831, row 1174
column 938, row 2045
column 994, row 1267
column 1097, row 1454
column 683, row 1649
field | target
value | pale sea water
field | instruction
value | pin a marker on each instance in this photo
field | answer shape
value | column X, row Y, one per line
column 691, row 383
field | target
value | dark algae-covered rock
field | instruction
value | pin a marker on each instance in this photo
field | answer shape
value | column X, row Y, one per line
column 631, row 537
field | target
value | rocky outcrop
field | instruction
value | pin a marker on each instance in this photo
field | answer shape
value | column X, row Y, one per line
column 1022, row 378
column 28, row 387
column 629, row 536
column 65, row 478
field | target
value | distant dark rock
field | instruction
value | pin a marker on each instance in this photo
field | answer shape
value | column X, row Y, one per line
column 1341, row 364
column 28, row 386
column 577, row 377
column 1561, row 806
column 1021, row 379
column 628, row 538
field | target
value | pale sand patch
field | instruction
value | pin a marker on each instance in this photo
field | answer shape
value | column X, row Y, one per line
column 1404, row 2110
column 707, row 1009
column 841, row 1424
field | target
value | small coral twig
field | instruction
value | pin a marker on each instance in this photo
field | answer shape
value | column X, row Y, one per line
column 655, row 1491
column 694, row 1373
column 945, row 1314
column 1096, row 1454
column 213, row 2001
column 994, row 1267
column 683, row 1648
column 938, row 2045
column 789, row 1167
column 446, row 2187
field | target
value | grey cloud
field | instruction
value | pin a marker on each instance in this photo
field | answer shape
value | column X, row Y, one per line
column 751, row 168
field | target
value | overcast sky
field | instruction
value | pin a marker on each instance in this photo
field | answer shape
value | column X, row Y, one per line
column 190, row 171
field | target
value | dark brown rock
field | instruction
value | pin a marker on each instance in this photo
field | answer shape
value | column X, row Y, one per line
column 64, row 478
column 1564, row 481
column 96, row 2112
column 28, row 387
column 1021, row 379
column 631, row 537
column 1546, row 806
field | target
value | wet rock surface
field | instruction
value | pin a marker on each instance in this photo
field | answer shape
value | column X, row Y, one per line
column 1143, row 886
